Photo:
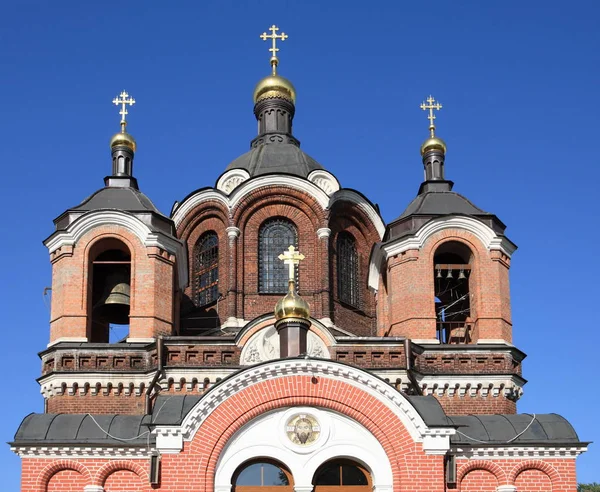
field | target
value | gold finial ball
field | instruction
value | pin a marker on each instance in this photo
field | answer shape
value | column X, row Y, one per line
column 292, row 306
column 123, row 138
column 433, row 143
column 274, row 86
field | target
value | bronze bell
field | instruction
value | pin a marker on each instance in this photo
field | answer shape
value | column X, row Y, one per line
column 113, row 306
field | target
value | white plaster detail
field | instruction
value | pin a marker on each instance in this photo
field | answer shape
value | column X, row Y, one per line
column 509, row 386
column 426, row 341
column 264, row 346
column 231, row 180
column 485, row 234
column 354, row 376
column 141, row 340
column 68, row 339
column 506, row 488
column 90, row 220
column 324, row 180
column 232, row 232
column 93, row 488
column 352, row 196
column 344, row 438
column 375, row 263
column 436, row 445
column 494, row 341
column 168, row 440
column 323, row 232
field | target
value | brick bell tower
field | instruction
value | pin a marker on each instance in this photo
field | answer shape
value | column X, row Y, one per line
column 446, row 263
column 115, row 258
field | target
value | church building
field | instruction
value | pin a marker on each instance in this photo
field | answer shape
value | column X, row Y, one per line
column 282, row 337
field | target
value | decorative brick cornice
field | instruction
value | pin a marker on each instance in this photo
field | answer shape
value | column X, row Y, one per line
column 54, row 452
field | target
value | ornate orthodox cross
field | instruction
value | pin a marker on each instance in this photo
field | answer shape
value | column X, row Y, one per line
column 431, row 105
column 274, row 49
column 123, row 99
column 291, row 257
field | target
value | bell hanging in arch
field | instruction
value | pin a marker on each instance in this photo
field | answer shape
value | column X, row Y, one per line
column 461, row 274
column 113, row 306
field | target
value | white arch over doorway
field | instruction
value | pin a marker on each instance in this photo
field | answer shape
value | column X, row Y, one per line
column 340, row 437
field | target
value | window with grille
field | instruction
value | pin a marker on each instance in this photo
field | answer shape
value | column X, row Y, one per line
column 206, row 269
column 275, row 237
column 347, row 270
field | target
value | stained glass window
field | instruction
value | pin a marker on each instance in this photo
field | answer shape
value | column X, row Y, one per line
column 347, row 270
column 275, row 236
column 206, row 269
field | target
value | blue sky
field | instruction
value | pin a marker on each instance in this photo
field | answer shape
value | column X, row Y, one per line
column 518, row 81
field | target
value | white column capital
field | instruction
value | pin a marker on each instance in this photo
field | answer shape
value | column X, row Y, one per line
column 506, row 488
column 232, row 232
column 303, row 488
column 323, row 232
column 93, row 488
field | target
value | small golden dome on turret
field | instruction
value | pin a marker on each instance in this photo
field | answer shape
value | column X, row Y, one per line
column 433, row 143
column 292, row 306
column 274, row 86
column 123, row 138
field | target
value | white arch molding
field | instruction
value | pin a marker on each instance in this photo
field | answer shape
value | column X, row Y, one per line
column 97, row 218
column 341, row 437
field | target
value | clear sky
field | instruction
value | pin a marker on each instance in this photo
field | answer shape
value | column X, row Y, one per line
column 518, row 80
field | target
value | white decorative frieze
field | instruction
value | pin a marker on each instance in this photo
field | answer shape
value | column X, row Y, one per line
column 231, row 180
column 324, row 180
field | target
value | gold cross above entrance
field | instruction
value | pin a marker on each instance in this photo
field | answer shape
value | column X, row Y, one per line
column 291, row 257
column 123, row 99
column 431, row 105
column 274, row 49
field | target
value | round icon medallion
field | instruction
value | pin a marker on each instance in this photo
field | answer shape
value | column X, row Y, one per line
column 302, row 429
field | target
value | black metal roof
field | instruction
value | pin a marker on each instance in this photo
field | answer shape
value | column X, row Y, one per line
column 547, row 429
column 283, row 158
column 129, row 199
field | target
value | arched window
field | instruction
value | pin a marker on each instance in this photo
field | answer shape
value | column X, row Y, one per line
column 274, row 238
column 336, row 475
column 452, row 271
column 262, row 474
column 347, row 270
column 206, row 270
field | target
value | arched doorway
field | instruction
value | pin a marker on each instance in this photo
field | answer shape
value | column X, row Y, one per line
column 342, row 475
column 262, row 475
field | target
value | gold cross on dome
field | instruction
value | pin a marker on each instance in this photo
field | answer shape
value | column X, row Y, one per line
column 291, row 257
column 274, row 49
column 123, row 99
column 431, row 105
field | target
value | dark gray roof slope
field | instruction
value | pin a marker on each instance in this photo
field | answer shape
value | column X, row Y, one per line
column 275, row 158
column 116, row 198
column 62, row 429
column 430, row 410
column 547, row 429
column 441, row 203
column 171, row 410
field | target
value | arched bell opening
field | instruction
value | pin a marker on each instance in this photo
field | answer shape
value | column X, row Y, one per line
column 262, row 475
column 453, row 262
column 338, row 475
column 110, row 282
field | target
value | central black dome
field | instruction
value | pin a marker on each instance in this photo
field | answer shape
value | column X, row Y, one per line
column 271, row 158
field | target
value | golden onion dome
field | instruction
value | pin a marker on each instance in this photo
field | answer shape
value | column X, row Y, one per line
column 292, row 306
column 433, row 143
column 274, row 86
column 123, row 138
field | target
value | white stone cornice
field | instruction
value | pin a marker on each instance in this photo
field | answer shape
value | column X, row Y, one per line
column 346, row 195
column 112, row 452
column 509, row 386
column 97, row 218
column 485, row 234
column 516, row 452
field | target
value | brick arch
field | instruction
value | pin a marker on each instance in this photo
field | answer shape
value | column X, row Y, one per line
column 278, row 195
column 57, row 466
column 298, row 390
column 113, row 466
column 489, row 466
column 204, row 210
column 538, row 465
